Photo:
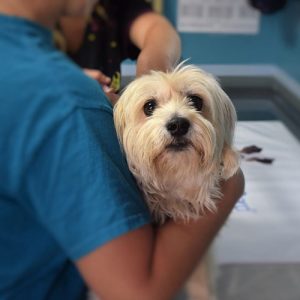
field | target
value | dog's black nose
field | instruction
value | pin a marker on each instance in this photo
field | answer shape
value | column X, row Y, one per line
column 178, row 126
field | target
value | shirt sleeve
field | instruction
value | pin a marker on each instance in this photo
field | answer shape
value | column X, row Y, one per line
column 79, row 186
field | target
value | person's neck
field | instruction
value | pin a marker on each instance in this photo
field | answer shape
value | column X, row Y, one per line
column 32, row 10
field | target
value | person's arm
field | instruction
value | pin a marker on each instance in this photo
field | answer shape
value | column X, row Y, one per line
column 146, row 264
column 158, row 41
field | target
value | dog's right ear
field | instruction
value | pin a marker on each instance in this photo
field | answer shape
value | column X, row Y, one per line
column 119, row 119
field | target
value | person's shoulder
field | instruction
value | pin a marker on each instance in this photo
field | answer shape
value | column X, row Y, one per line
column 59, row 75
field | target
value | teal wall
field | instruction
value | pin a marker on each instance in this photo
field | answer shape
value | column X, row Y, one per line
column 278, row 42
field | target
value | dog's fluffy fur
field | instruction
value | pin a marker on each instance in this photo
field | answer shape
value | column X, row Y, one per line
column 176, row 130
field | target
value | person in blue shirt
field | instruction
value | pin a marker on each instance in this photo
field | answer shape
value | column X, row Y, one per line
column 71, row 215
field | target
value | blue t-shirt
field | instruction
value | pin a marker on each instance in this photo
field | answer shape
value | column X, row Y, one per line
column 65, row 188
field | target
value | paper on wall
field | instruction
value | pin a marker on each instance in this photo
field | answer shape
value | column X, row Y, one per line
column 217, row 16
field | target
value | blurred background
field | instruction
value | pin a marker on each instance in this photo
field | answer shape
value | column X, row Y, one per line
column 256, row 36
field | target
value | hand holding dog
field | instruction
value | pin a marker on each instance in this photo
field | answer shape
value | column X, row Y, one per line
column 104, row 81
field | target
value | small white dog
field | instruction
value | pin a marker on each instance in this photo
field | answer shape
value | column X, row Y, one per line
column 176, row 130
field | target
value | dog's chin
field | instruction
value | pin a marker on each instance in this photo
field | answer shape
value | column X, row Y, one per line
column 178, row 145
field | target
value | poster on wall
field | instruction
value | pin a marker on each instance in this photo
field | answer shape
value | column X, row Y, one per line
column 217, row 16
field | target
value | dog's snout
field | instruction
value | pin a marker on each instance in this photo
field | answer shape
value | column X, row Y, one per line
column 178, row 126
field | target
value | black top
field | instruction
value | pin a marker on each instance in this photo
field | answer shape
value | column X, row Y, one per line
column 106, row 41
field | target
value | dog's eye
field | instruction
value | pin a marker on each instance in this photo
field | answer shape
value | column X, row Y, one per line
column 149, row 107
column 196, row 101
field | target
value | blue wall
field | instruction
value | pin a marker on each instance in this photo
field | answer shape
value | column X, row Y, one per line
column 278, row 42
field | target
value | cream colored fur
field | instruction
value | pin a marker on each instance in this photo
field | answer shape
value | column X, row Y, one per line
column 177, row 184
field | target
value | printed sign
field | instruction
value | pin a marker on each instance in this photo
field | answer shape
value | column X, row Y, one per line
column 217, row 16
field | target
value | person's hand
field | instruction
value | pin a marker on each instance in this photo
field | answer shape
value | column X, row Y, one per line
column 98, row 76
column 111, row 95
column 104, row 81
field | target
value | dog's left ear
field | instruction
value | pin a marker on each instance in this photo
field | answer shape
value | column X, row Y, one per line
column 225, row 116
column 230, row 162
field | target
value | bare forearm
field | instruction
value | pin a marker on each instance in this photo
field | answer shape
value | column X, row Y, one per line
column 158, row 41
column 157, row 55
column 179, row 247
